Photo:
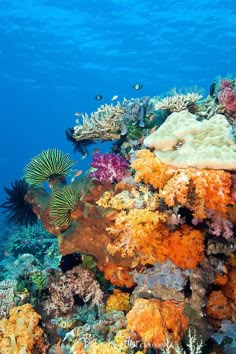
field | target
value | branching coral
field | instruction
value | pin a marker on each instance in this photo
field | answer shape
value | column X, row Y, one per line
column 63, row 288
column 104, row 124
column 178, row 102
column 109, row 167
column 47, row 166
column 7, row 296
column 156, row 320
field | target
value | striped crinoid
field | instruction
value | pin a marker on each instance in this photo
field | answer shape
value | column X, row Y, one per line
column 49, row 165
column 62, row 203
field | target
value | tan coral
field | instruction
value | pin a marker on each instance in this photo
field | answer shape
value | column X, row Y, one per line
column 103, row 124
column 183, row 141
column 178, row 102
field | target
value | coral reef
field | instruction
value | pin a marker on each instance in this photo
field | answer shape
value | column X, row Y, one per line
column 146, row 235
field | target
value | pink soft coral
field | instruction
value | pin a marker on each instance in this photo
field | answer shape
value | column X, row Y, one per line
column 109, row 167
column 227, row 95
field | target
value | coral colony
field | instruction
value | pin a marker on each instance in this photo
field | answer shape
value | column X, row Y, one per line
column 145, row 259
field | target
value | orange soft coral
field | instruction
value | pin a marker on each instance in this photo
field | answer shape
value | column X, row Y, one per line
column 140, row 234
column 186, row 247
column 218, row 306
column 155, row 321
column 21, row 333
column 149, row 169
column 198, row 190
column 119, row 276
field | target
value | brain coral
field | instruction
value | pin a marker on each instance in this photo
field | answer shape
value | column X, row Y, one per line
column 183, row 141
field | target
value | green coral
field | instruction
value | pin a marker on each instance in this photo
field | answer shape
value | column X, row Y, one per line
column 39, row 280
column 134, row 132
column 47, row 166
column 62, row 203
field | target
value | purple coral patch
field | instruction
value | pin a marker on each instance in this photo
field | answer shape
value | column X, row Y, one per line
column 109, row 167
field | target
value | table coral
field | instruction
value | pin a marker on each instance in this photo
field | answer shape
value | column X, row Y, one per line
column 155, row 320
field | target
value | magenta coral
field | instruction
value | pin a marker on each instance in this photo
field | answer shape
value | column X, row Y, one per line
column 109, row 167
column 227, row 95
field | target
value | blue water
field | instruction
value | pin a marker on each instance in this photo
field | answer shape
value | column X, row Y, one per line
column 55, row 56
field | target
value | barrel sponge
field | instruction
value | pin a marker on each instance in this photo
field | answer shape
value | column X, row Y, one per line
column 183, row 141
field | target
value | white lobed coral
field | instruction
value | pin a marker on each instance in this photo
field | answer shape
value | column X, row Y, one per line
column 183, row 141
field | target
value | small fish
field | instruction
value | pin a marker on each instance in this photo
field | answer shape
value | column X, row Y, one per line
column 114, row 98
column 137, row 86
column 95, row 151
column 150, row 118
column 98, row 97
column 77, row 174
column 78, row 114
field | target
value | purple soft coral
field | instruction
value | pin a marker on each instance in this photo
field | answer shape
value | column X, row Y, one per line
column 109, row 167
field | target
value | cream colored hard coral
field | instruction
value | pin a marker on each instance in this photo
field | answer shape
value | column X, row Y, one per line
column 183, row 141
column 178, row 102
column 103, row 124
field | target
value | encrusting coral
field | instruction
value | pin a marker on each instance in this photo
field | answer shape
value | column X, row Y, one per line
column 183, row 141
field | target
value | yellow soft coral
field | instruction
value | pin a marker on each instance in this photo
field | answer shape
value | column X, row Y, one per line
column 154, row 320
column 118, row 301
column 106, row 348
column 140, row 234
column 21, row 333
